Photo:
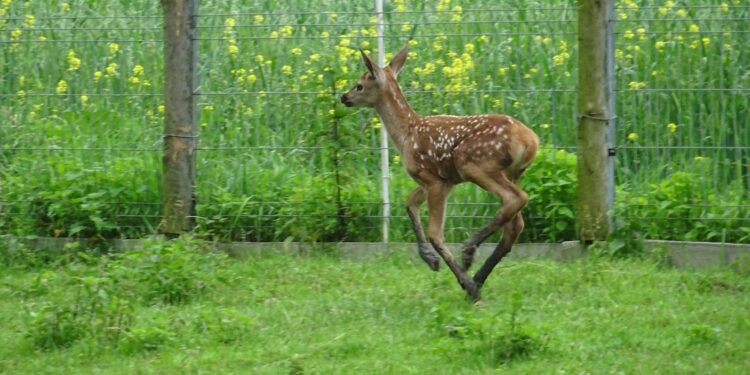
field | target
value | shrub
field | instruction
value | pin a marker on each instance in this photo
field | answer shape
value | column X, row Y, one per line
column 684, row 206
column 73, row 198
column 170, row 272
column 94, row 298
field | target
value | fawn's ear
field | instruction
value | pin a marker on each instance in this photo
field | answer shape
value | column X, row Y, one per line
column 398, row 61
column 374, row 70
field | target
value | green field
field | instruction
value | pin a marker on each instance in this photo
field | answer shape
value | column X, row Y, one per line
column 179, row 308
column 278, row 157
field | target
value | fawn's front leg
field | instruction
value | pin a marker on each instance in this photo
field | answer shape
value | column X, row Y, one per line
column 416, row 198
column 437, row 195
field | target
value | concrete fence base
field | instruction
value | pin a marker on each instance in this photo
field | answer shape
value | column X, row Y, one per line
column 683, row 255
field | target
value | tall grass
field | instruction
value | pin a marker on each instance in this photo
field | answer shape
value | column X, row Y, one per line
column 82, row 86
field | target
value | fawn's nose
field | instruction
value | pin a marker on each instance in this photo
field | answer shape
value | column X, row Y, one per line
column 346, row 101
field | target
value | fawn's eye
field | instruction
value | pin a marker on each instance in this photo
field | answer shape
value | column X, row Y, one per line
column 359, row 88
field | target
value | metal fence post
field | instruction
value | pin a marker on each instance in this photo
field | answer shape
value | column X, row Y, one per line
column 384, row 162
column 180, row 116
column 594, row 116
column 609, row 57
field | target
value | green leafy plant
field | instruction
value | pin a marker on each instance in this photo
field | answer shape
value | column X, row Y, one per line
column 503, row 340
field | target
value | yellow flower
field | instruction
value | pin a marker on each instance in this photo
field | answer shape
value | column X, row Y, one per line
column 672, row 127
column 694, row 28
column 65, row 6
column 111, row 69
column 113, row 48
column 443, row 5
column 230, row 22
column 628, row 34
column 97, row 75
column 724, row 8
column 21, row 80
column 84, row 99
column 706, row 41
column 160, row 108
column 396, row 159
column 252, row 78
column 296, row 51
column 134, row 80
column 682, row 13
column 42, row 38
column 634, row 85
column 286, row 31
column 29, row 21
column 633, row 137
column 544, row 126
column 315, row 57
column 457, row 13
column 62, row 87
column 258, row 19
column 405, row 27
column 412, row 43
column 400, row 6
column 286, row 69
column 138, row 70
column 469, row 48
column 631, row 4
column 73, row 62
column 21, row 95
column 15, row 34
column 660, row 44
column 233, row 50
column 260, row 59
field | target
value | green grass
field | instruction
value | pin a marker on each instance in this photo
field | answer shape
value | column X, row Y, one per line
column 271, row 71
column 318, row 314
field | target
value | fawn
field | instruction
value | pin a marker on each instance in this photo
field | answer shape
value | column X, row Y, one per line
column 491, row 151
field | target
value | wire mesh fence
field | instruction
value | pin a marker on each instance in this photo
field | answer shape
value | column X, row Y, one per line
column 278, row 157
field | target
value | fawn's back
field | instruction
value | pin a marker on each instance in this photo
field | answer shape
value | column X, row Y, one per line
column 446, row 145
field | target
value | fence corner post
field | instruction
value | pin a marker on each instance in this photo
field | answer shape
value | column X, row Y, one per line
column 180, row 116
column 595, row 167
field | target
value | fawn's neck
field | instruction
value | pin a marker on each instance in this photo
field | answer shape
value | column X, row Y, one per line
column 396, row 115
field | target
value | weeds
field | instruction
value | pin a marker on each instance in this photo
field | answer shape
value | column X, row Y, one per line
column 502, row 339
column 101, row 293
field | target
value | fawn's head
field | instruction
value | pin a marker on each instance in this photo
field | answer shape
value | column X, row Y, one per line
column 371, row 85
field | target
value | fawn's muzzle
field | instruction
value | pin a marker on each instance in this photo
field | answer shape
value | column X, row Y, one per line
column 346, row 101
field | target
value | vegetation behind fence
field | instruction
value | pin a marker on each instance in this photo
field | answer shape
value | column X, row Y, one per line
column 277, row 157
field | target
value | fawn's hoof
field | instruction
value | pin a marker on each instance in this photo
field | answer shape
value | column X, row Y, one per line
column 472, row 290
column 430, row 257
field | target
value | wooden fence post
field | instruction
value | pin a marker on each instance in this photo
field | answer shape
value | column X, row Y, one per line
column 595, row 177
column 180, row 116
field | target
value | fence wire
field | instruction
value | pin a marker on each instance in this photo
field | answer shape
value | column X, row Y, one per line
column 279, row 158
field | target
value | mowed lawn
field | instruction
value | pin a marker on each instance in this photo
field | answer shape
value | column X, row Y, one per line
column 319, row 314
